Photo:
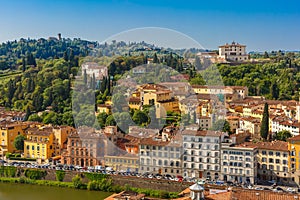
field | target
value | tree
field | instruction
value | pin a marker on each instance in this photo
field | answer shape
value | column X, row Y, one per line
column 198, row 64
column 19, row 142
column 264, row 129
column 266, row 55
column 274, row 91
column 102, row 119
column 155, row 59
column 28, row 112
column 85, row 77
column 283, row 135
column 110, row 121
column 23, row 64
column 139, row 117
column 221, row 125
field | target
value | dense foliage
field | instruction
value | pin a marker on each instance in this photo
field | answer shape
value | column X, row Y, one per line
column 60, row 175
column 35, row 174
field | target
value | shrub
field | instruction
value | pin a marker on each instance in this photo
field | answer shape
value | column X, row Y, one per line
column 35, row 174
column 8, row 171
column 77, row 182
column 60, row 175
column 95, row 176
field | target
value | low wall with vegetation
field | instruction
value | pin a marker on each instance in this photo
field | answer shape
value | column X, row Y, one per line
column 89, row 181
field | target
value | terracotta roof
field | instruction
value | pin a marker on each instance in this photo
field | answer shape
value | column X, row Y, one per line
column 202, row 133
column 151, row 141
column 219, row 196
column 296, row 138
column 261, row 195
column 274, row 145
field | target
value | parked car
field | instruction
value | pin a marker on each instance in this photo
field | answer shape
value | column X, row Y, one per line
column 291, row 190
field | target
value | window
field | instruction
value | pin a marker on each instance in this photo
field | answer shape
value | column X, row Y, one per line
column 277, row 161
column 277, row 153
column 270, row 153
column 271, row 167
column 32, row 148
column 264, row 159
column 165, row 162
column 264, row 153
column 284, row 162
column 271, row 160
column 159, row 162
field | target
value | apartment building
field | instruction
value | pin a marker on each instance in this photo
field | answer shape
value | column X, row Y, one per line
column 8, row 132
column 85, row 147
column 294, row 159
column 161, row 154
column 201, row 156
column 239, row 162
column 39, row 143
column 273, row 158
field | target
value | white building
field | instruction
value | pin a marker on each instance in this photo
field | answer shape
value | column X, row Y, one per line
column 234, row 52
column 239, row 163
column 93, row 68
column 201, row 156
column 280, row 123
column 161, row 154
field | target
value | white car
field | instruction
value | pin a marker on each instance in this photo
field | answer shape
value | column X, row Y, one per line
column 292, row 190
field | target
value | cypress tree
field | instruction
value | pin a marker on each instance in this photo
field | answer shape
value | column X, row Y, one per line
column 155, row 59
column 264, row 129
column 23, row 64
column 84, row 77
column 274, row 91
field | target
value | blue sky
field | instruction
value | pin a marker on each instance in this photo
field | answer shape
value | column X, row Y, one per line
column 261, row 25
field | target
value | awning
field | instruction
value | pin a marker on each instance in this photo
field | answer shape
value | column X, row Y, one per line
column 56, row 158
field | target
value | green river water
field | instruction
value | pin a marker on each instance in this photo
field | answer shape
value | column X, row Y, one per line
column 10, row 191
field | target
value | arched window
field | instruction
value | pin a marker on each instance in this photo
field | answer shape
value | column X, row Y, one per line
column 159, row 162
column 165, row 162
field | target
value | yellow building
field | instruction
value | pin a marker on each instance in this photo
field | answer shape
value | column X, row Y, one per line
column 39, row 143
column 103, row 108
column 157, row 95
column 273, row 161
column 61, row 136
column 294, row 162
column 8, row 132
column 134, row 103
column 128, row 162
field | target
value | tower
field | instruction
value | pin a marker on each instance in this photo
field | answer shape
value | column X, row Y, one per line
column 59, row 36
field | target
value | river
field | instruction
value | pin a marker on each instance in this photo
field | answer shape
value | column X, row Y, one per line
column 10, row 191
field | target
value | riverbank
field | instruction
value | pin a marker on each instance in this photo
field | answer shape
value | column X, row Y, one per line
column 83, row 181
column 16, row 191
